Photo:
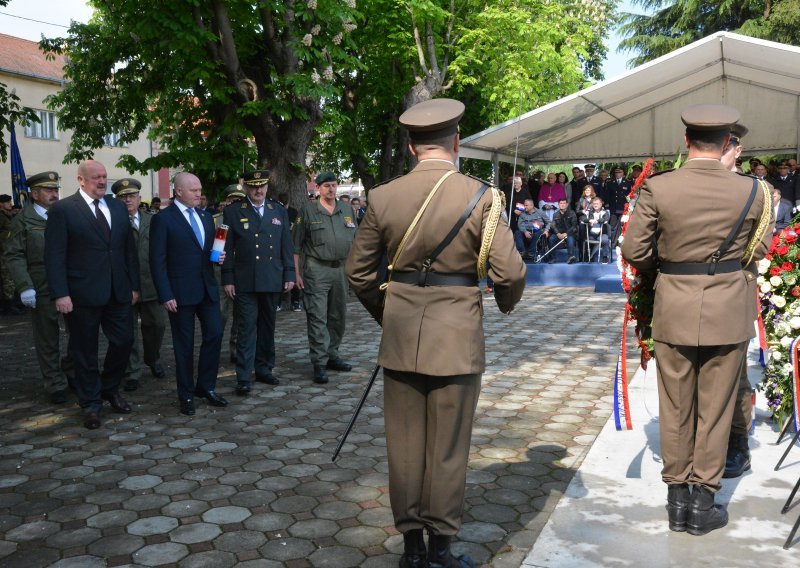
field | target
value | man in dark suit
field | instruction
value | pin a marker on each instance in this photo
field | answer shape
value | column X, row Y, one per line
column 93, row 275
column 258, row 268
column 783, row 210
column 153, row 320
column 784, row 182
column 181, row 238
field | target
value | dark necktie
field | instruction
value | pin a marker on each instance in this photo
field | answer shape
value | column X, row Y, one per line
column 134, row 227
column 101, row 220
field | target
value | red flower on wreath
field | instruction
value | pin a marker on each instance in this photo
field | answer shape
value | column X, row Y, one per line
column 782, row 250
column 796, row 291
column 787, row 266
column 789, row 237
column 775, row 270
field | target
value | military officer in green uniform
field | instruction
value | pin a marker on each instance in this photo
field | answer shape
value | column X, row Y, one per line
column 147, row 347
column 7, row 291
column 322, row 233
column 231, row 194
column 25, row 260
column 258, row 268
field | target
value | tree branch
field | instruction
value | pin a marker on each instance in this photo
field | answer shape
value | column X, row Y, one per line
column 431, row 45
column 418, row 42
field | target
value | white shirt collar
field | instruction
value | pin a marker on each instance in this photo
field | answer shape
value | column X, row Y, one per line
column 182, row 207
column 41, row 211
column 89, row 199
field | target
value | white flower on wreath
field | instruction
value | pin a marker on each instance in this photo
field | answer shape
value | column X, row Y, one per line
column 776, row 355
column 763, row 265
column 786, row 342
column 791, row 280
column 778, row 301
column 795, row 322
column 765, row 287
column 788, row 368
column 775, row 281
column 624, row 218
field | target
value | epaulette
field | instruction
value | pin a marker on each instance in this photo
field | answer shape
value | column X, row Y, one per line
column 384, row 182
column 751, row 176
column 490, row 184
column 661, row 172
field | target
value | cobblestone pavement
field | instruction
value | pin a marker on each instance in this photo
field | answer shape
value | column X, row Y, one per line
column 253, row 484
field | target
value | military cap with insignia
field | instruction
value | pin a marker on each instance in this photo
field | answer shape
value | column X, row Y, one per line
column 738, row 131
column 589, row 167
column 256, row 177
column 434, row 119
column 46, row 180
column 233, row 190
column 709, row 117
column 324, row 177
column 126, row 186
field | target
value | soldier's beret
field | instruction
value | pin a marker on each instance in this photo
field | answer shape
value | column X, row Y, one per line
column 709, row 117
column 324, row 177
column 126, row 186
column 738, row 131
column 5, row 198
column 48, row 180
column 233, row 190
column 256, row 177
column 433, row 119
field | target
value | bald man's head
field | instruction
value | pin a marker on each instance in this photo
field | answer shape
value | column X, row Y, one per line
column 92, row 178
column 188, row 189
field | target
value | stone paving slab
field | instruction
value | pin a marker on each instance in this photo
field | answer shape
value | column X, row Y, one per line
column 613, row 515
column 253, row 484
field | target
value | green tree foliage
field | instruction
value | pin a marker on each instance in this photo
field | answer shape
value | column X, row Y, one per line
column 215, row 83
column 500, row 58
column 671, row 24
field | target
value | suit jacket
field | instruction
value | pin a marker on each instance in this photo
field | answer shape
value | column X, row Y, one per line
column 436, row 330
column 260, row 255
column 617, row 194
column 80, row 262
column 182, row 270
column 684, row 216
column 783, row 214
column 787, row 187
column 143, row 248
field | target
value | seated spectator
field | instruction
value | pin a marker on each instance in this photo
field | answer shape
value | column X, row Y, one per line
column 597, row 224
column 783, row 211
column 550, row 194
column 565, row 226
column 585, row 201
column 531, row 226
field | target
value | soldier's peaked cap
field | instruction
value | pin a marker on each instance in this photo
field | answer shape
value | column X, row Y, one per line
column 739, row 130
column 256, row 177
column 433, row 119
column 233, row 190
column 710, row 117
column 47, row 180
column 126, row 186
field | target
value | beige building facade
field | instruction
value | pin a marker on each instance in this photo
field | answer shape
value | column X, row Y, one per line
column 25, row 71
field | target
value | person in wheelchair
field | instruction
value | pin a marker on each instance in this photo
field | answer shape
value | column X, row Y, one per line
column 564, row 226
column 531, row 226
column 597, row 227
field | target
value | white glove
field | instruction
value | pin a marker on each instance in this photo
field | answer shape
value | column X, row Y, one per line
column 28, row 298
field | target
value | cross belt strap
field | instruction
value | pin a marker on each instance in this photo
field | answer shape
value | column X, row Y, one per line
column 420, row 278
column 696, row 268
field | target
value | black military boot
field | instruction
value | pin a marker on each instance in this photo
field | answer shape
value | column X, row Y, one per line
column 439, row 554
column 677, row 506
column 414, row 551
column 704, row 516
column 738, row 459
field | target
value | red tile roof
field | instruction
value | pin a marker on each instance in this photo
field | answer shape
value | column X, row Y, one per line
column 22, row 56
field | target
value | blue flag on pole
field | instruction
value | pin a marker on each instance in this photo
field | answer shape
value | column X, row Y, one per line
column 19, row 190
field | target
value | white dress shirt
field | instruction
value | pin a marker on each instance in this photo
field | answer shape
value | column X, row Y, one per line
column 102, row 205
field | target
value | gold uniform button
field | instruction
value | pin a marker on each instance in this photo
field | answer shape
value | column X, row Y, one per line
column 256, row 234
column 257, row 258
column 270, row 246
column 256, row 246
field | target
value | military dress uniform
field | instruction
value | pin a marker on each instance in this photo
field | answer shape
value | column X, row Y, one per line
column 702, row 319
column 7, row 291
column 25, row 260
column 148, row 310
column 432, row 347
column 323, row 242
column 258, row 262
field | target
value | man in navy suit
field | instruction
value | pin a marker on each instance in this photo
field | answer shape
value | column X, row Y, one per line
column 93, row 275
column 181, row 238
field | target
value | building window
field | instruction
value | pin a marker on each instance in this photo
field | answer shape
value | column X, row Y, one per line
column 113, row 139
column 46, row 128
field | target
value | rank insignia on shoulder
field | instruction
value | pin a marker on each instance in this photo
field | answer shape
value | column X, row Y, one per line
column 269, row 205
column 276, row 221
column 298, row 220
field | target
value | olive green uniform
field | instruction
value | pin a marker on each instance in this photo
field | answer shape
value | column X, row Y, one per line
column 323, row 240
column 5, row 275
column 24, row 258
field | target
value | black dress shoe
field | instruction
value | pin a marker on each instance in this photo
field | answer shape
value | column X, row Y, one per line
column 678, row 506
column 242, row 389
column 439, row 555
column 704, row 516
column 59, row 396
column 130, row 385
column 320, row 375
column 91, row 420
column 212, row 397
column 267, row 379
column 338, row 365
column 414, row 550
column 158, row 371
column 118, row 403
column 187, row 407
column 737, row 460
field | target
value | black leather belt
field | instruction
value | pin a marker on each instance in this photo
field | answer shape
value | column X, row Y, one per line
column 328, row 263
column 697, row 268
column 424, row 278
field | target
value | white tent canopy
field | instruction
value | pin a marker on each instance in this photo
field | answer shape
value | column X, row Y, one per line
column 637, row 114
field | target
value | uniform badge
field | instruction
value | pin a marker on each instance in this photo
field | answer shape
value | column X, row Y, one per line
column 269, row 205
column 348, row 222
column 245, row 223
column 276, row 221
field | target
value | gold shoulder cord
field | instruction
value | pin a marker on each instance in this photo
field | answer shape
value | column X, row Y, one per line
column 763, row 224
column 488, row 232
column 411, row 227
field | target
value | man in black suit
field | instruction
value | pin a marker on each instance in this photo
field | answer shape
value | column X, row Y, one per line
column 93, row 275
column 258, row 268
column 783, row 210
column 181, row 238
column 785, row 182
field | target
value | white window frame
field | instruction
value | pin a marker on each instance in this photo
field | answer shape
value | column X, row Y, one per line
column 46, row 128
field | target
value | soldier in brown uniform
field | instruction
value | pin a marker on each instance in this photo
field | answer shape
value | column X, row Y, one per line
column 702, row 316
column 432, row 348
